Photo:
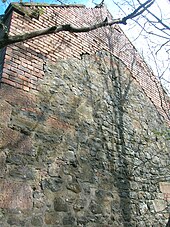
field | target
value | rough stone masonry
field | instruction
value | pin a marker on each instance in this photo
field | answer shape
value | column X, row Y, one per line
column 88, row 149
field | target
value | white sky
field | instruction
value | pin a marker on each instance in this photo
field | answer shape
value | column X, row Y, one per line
column 160, row 8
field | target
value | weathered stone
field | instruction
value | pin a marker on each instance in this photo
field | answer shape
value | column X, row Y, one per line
column 5, row 112
column 15, row 195
column 52, row 218
column 15, row 159
column 1, row 214
column 74, row 186
column 79, row 153
column 69, row 221
column 79, row 204
column 55, row 168
column 22, row 172
column 2, row 164
column 8, row 137
column 24, row 145
column 37, row 221
column 60, row 205
column 39, row 199
column 70, row 155
column 52, row 184
column 53, row 125
column 15, row 220
column 85, row 112
column 17, row 97
column 82, row 221
column 159, row 205
column 143, row 208
column 95, row 208
column 165, row 189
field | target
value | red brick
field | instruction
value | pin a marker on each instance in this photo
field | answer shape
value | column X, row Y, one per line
column 25, row 88
column 23, row 78
column 5, row 76
column 8, row 82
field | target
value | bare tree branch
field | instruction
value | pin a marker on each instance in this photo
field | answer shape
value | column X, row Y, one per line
column 157, row 18
column 140, row 9
column 6, row 40
column 165, row 43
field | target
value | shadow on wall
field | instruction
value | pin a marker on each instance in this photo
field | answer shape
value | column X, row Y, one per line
column 113, row 98
column 84, row 149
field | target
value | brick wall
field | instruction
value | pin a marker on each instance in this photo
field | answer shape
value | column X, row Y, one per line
column 24, row 62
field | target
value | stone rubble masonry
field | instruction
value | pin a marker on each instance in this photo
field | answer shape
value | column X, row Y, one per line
column 84, row 150
column 22, row 65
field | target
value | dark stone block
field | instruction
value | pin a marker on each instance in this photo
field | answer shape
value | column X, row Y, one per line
column 60, row 205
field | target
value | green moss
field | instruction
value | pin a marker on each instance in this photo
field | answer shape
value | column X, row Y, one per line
column 30, row 12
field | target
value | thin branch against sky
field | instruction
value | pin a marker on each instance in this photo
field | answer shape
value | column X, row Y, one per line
column 147, row 30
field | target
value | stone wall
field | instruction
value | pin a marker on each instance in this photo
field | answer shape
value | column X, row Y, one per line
column 87, row 149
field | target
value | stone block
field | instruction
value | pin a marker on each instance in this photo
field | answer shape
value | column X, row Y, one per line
column 74, row 186
column 17, row 97
column 24, row 145
column 2, row 164
column 8, row 137
column 53, row 185
column 165, row 189
column 52, row 218
column 143, row 208
column 37, row 221
column 68, row 221
column 54, row 124
column 15, row 195
column 60, row 205
column 5, row 112
column 55, row 168
column 95, row 208
column 85, row 112
column 159, row 205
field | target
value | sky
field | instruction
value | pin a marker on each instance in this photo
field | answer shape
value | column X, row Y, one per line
column 147, row 44
column 144, row 43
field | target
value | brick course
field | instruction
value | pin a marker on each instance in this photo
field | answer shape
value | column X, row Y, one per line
column 22, row 65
